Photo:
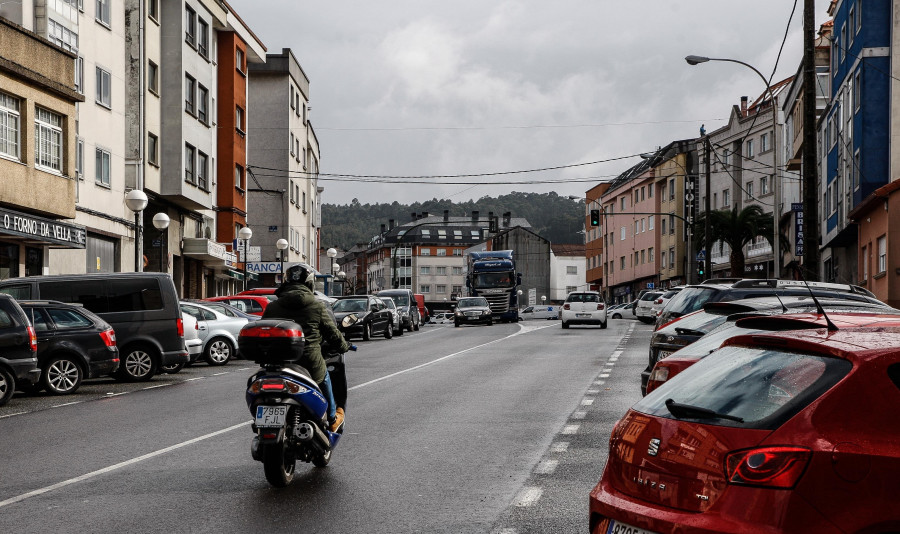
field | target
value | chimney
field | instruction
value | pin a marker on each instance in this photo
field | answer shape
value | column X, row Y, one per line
column 475, row 216
column 414, row 216
column 743, row 106
column 446, row 215
column 490, row 215
column 391, row 224
column 382, row 229
column 424, row 214
column 506, row 218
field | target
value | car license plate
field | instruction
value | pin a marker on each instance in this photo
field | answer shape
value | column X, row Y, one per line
column 582, row 315
column 473, row 314
column 270, row 416
column 621, row 528
column 663, row 354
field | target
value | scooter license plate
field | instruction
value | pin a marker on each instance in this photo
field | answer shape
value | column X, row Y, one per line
column 270, row 416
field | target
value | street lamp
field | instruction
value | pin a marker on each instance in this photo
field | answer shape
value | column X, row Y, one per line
column 776, row 188
column 161, row 222
column 331, row 253
column 281, row 245
column 136, row 201
column 245, row 234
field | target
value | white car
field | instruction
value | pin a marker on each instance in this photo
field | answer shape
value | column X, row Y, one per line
column 664, row 299
column 643, row 310
column 442, row 318
column 192, row 342
column 219, row 333
column 583, row 307
column 397, row 322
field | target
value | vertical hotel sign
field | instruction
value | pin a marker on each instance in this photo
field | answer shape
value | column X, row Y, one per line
column 797, row 208
column 41, row 229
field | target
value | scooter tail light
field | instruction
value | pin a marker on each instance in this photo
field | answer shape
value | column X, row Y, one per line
column 32, row 338
column 267, row 331
column 269, row 385
column 769, row 467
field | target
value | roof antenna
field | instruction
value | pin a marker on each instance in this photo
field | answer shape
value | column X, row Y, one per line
column 831, row 326
column 783, row 307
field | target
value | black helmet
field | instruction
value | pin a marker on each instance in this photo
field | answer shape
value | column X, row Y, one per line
column 300, row 274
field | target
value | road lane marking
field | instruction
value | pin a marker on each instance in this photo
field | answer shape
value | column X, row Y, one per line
column 67, row 404
column 570, row 429
column 546, row 467
column 528, row 496
column 120, row 465
column 592, row 391
column 562, row 446
column 219, row 374
column 604, row 375
column 579, row 415
column 157, row 386
column 587, row 402
column 12, row 414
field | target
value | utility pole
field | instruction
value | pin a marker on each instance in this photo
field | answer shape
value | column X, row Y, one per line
column 810, row 170
column 707, row 233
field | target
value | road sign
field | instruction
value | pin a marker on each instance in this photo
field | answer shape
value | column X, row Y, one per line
column 253, row 254
column 701, row 255
column 651, row 285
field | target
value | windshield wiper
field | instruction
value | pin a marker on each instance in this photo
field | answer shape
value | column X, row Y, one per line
column 689, row 332
column 686, row 410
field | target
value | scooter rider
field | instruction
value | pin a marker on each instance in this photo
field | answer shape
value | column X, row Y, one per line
column 297, row 302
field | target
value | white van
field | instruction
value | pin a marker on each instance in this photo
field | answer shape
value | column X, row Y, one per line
column 540, row 312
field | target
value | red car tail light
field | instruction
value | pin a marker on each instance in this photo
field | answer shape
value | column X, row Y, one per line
column 658, row 301
column 659, row 375
column 601, row 306
column 770, row 467
column 179, row 324
column 32, row 339
column 566, row 306
column 109, row 338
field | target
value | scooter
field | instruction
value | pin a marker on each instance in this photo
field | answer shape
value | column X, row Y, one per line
column 290, row 413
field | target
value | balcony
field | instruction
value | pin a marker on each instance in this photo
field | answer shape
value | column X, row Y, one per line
column 759, row 249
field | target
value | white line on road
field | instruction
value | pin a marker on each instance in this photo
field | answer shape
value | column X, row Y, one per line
column 579, row 415
column 561, row 446
column 546, row 467
column 570, row 429
column 116, row 394
column 11, row 414
column 157, row 386
column 599, row 382
column 117, row 466
column 528, row 496
column 195, row 378
column 219, row 374
column 67, row 404
column 587, row 402
column 592, row 391
column 604, row 375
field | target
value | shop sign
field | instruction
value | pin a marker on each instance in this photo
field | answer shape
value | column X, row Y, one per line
column 41, row 229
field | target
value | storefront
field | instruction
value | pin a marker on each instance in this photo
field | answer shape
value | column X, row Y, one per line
column 25, row 241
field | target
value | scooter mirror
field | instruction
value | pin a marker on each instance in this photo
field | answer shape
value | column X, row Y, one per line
column 349, row 320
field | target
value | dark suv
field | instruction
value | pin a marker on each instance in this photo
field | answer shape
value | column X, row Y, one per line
column 18, row 349
column 142, row 308
column 73, row 344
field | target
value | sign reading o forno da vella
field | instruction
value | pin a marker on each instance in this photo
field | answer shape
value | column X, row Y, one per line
column 41, row 229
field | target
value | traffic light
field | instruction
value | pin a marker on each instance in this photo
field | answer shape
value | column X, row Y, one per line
column 595, row 217
column 701, row 269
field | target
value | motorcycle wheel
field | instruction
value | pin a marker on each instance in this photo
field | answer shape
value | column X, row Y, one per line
column 278, row 466
column 322, row 461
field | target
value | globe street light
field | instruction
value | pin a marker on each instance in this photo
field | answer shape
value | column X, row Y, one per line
column 281, row 245
column 245, row 234
column 776, row 186
column 331, row 253
column 161, row 222
column 136, row 201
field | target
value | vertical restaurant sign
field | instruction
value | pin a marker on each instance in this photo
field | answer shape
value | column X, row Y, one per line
column 797, row 208
column 41, row 229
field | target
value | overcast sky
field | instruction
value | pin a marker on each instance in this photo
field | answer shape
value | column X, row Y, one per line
column 414, row 88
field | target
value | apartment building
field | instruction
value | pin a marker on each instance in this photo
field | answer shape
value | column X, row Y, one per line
column 37, row 152
column 567, row 266
column 283, row 154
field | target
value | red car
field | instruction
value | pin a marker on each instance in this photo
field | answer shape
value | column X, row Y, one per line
column 252, row 304
column 778, row 432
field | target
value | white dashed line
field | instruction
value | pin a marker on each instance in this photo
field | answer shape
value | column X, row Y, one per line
column 157, row 386
column 587, row 402
column 570, row 429
column 546, row 467
column 604, row 375
column 66, row 404
column 593, row 391
column 579, row 415
column 599, row 382
column 219, row 374
column 195, row 378
column 528, row 496
column 116, row 394
column 12, row 414
column 562, row 446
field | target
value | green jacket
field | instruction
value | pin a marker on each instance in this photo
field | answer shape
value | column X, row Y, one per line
column 298, row 303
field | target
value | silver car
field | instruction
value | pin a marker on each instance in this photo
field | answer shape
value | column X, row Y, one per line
column 218, row 332
column 398, row 323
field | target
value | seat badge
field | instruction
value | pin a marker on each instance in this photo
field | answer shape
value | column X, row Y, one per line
column 653, row 449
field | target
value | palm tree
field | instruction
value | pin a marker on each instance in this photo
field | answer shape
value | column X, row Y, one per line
column 736, row 228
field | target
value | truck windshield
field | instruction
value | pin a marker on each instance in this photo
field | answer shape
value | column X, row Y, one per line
column 489, row 280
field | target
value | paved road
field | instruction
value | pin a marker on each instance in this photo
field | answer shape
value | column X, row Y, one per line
column 475, row 429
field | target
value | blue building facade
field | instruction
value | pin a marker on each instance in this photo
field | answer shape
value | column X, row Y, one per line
column 854, row 134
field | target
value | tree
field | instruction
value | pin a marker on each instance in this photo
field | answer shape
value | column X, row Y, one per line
column 737, row 229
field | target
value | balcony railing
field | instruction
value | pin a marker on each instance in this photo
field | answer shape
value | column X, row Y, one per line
column 759, row 249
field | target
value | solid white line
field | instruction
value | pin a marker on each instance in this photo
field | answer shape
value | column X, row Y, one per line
column 67, row 404
column 528, row 496
column 116, row 394
column 157, row 386
column 546, row 467
column 117, row 466
column 12, row 414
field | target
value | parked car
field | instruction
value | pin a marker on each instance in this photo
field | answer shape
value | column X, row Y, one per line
column 396, row 320
column 219, row 333
column 692, row 297
column 583, row 307
column 643, row 309
column 18, row 349
column 471, row 310
column 142, row 308
column 192, row 343
column 617, row 311
column 373, row 314
column 252, row 304
column 442, row 318
column 406, row 303
column 269, row 293
column 224, row 309
column 539, row 312
column 424, row 314
column 664, row 299
column 778, row 432
column 687, row 329
column 72, row 344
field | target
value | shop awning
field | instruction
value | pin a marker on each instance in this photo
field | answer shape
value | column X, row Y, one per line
column 38, row 231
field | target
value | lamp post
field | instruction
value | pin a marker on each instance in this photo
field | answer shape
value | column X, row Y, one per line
column 245, row 234
column 281, row 245
column 161, row 222
column 136, row 201
column 331, row 253
column 341, row 276
column 776, row 186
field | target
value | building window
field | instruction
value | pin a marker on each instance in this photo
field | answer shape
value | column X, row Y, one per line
column 672, row 189
column 750, row 148
column 190, row 26
column 662, row 226
column 457, row 290
column 189, row 153
column 650, row 254
column 843, row 41
column 441, row 252
column 663, row 260
column 440, row 289
column 424, row 288
column 239, row 177
column 858, row 15
column 153, row 9
column 153, row 77
column 476, row 234
column 456, row 271
column 856, row 170
column 726, row 198
column 79, row 74
column 239, row 119
column 650, row 192
column 239, row 60
column 623, row 203
column 103, row 12
column 102, row 167
column 60, row 35
column 203, row 171
column 190, row 94
column 441, row 233
column 425, row 269
column 865, row 264
column 764, row 185
column 425, row 252
column 104, row 80
column 457, row 252
column 203, row 38
column 203, row 104
column 9, row 126
column 48, row 140
column 672, row 258
column 152, row 149
column 857, row 89
column 622, row 234
column 749, row 189
column 622, row 263
column 79, row 158
column 650, row 219
column 457, row 234
column 882, row 254
column 763, row 142
column 671, row 224
column 571, row 269
column 441, row 271
column 303, row 206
